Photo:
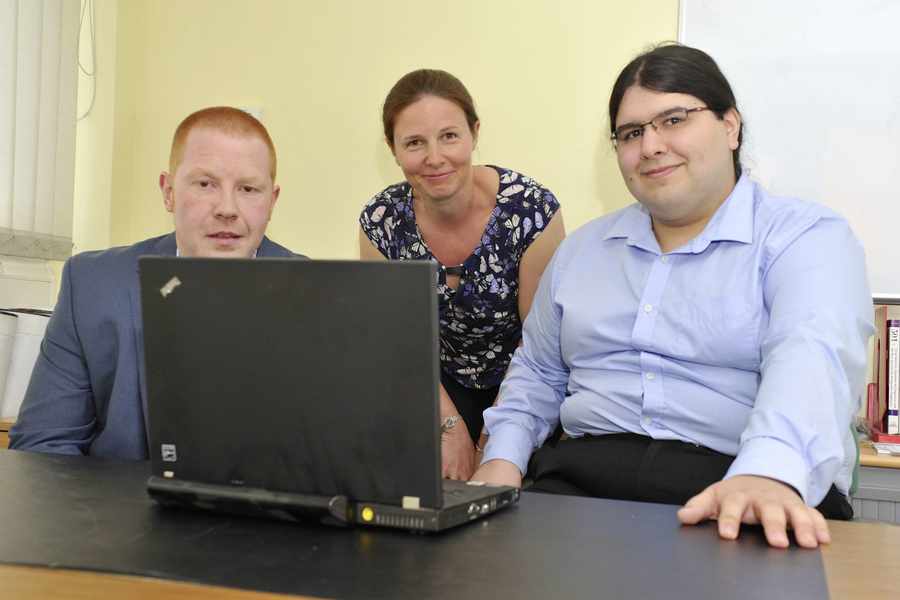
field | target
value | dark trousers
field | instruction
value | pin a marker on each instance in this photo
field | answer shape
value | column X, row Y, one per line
column 470, row 403
column 629, row 466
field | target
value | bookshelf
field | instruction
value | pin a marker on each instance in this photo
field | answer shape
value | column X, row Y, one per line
column 881, row 377
column 893, row 299
column 878, row 496
column 869, row 458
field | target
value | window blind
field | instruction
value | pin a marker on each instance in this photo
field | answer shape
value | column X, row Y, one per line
column 38, row 93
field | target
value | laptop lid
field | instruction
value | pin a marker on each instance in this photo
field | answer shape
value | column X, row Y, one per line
column 314, row 377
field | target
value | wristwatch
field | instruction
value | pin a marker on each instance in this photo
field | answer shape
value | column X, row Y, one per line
column 449, row 423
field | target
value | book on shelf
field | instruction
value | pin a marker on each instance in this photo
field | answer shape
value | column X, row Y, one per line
column 892, row 415
column 883, row 390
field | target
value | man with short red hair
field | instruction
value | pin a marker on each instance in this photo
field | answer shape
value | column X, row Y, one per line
column 85, row 394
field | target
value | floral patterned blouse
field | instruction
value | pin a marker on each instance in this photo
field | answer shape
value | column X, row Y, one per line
column 479, row 320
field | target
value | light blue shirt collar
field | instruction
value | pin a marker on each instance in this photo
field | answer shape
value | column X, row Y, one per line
column 733, row 221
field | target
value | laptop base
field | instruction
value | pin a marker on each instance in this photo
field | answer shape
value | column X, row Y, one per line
column 463, row 502
column 255, row 502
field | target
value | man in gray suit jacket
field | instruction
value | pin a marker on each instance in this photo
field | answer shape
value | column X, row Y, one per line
column 86, row 391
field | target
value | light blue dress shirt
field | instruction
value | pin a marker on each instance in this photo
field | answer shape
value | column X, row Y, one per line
column 750, row 340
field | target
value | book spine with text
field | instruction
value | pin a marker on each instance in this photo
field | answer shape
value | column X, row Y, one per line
column 879, row 367
column 893, row 377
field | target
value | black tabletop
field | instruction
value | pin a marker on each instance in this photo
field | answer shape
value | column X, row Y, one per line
column 85, row 513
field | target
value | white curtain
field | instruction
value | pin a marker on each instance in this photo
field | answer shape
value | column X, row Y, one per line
column 38, row 87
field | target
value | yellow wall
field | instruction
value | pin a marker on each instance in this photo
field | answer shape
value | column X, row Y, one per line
column 540, row 72
column 91, row 218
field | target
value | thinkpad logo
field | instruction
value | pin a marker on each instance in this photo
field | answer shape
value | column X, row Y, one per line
column 168, row 453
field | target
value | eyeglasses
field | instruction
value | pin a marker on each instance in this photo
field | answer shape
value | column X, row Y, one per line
column 670, row 121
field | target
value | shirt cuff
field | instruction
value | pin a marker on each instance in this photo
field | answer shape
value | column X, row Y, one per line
column 768, row 457
column 509, row 442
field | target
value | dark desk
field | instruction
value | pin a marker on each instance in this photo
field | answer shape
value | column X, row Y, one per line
column 94, row 515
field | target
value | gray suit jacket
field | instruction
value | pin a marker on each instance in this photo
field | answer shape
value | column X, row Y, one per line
column 86, row 390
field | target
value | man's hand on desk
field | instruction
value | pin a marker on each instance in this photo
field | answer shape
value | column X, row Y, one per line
column 499, row 472
column 757, row 500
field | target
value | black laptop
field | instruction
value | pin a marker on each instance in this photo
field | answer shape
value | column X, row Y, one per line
column 297, row 389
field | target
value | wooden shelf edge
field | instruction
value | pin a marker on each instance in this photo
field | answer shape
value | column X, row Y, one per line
column 869, row 458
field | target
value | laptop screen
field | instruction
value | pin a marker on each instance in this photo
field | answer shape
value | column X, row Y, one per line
column 317, row 377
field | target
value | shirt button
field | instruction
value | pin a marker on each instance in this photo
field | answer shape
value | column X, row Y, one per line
column 665, row 259
column 647, row 420
column 650, row 376
column 648, row 308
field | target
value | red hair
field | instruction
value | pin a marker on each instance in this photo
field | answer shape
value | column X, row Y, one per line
column 228, row 120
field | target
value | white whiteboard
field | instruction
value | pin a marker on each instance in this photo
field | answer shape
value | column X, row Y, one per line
column 818, row 85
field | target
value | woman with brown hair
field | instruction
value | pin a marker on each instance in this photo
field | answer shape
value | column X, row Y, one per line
column 491, row 230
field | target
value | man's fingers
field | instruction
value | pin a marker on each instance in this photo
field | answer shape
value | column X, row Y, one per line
column 751, row 499
column 773, row 517
column 804, row 525
column 699, row 508
column 820, row 525
column 730, row 512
